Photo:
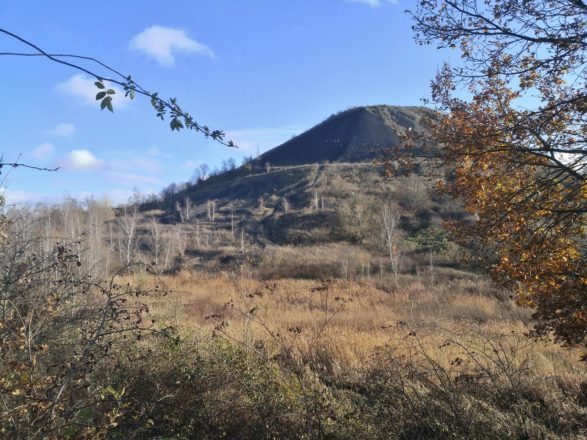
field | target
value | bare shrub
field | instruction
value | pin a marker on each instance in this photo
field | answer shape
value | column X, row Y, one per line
column 412, row 192
column 477, row 386
column 356, row 218
column 57, row 331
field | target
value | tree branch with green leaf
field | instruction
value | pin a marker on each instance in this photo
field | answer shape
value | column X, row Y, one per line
column 166, row 109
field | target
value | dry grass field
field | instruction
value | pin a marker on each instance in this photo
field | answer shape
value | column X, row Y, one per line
column 339, row 325
column 436, row 355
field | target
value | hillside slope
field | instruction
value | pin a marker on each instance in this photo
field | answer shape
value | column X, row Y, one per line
column 358, row 134
column 355, row 137
column 322, row 188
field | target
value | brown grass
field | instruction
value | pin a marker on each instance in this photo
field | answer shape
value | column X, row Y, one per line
column 340, row 325
column 296, row 358
column 335, row 260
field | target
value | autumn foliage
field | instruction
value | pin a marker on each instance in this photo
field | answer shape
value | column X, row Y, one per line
column 532, row 221
column 517, row 141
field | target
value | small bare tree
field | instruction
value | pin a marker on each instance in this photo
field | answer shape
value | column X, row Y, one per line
column 200, row 173
column 98, row 214
column 179, row 211
column 188, row 208
column 127, row 223
column 242, row 240
column 316, row 201
column 185, row 211
column 198, row 238
column 391, row 236
column 167, row 248
column 211, row 210
column 156, row 242
column 181, row 239
column 232, row 224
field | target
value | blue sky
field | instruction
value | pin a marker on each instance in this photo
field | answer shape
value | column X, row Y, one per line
column 261, row 70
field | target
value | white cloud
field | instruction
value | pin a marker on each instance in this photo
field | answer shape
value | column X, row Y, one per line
column 133, row 164
column 82, row 160
column 126, row 169
column 162, row 44
column 44, row 151
column 250, row 140
column 373, row 3
column 63, row 129
column 19, row 197
column 125, row 177
column 131, row 160
column 83, row 88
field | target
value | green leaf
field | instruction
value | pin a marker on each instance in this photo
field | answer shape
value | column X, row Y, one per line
column 100, row 95
column 110, row 92
column 106, row 103
column 99, row 84
column 175, row 124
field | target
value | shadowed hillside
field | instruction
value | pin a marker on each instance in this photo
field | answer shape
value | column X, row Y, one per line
column 358, row 134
